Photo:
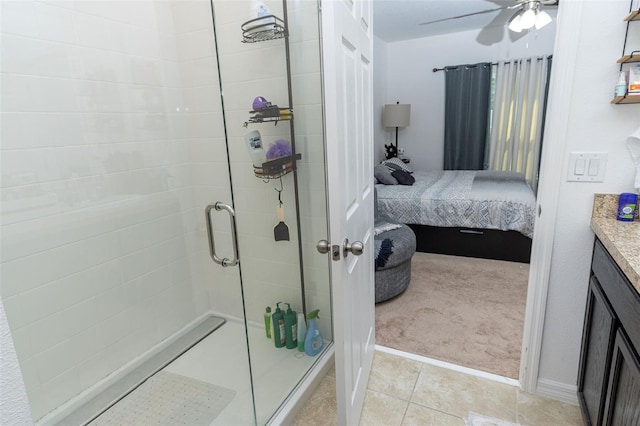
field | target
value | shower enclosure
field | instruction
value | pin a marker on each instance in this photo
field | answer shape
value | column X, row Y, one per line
column 121, row 122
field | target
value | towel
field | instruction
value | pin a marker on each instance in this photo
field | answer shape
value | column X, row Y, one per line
column 633, row 143
column 381, row 227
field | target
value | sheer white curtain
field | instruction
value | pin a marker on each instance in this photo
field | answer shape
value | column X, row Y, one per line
column 515, row 133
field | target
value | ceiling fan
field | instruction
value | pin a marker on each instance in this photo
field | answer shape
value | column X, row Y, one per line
column 528, row 14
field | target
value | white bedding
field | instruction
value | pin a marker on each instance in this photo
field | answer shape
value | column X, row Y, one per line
column 471, row 199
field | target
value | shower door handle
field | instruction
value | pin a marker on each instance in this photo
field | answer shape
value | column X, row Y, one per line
column 212, row 247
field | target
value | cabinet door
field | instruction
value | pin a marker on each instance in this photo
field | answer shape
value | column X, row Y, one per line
column 595, row 358
column 623, row 393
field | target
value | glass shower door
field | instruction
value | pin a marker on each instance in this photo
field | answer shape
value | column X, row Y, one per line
column 270, row 77
column 112, row 145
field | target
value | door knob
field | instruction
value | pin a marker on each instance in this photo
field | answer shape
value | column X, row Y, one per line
column 356, row 248
column 323, row 246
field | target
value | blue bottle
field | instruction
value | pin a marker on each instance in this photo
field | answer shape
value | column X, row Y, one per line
column 314, row 342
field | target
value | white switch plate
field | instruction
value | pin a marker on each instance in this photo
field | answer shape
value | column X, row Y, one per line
column 587, row 166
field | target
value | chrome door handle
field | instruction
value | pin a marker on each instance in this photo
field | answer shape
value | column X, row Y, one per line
column 356, row 248
column 323, row 246
column 212, row 247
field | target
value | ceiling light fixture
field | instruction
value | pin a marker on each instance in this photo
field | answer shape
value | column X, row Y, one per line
column 529, row 16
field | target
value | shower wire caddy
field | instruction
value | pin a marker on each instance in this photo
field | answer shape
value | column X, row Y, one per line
column 264, row 28
column 276, row 168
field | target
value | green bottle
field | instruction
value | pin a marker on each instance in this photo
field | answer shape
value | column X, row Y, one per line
column 278, row 326
column 267, row 322
column 290, row 328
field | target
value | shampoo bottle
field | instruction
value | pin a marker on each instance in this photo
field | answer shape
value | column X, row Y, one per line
column 267, row 322
column 256, row 150
column 290, row 328
column 278, row 326
column 314, row 342
column 302, row 332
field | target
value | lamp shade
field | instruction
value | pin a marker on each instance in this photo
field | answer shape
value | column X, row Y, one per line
column 396, row 115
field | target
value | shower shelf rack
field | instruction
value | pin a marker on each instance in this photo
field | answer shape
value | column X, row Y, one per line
column 270, row 114
column 277, row 167
column 268, row 27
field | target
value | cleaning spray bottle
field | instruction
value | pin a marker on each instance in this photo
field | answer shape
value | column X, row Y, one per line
column 290, row 328
column 314, row 342
column 302, row 331
column 278, row 326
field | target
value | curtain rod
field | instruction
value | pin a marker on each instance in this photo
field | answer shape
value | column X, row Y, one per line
column 483, row 63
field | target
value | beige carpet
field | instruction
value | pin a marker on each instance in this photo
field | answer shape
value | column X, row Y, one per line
column 461, row 310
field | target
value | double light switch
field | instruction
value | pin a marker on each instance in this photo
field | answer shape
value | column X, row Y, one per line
column 587, row 166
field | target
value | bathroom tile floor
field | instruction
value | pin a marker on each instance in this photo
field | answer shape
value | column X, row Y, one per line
column 403, row 391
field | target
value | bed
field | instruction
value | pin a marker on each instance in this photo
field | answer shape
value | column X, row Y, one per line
column 471, row 213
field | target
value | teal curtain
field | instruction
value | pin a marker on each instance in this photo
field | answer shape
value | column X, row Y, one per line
column 467, row 96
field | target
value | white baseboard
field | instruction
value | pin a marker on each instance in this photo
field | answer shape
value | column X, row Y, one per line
column 559, row 391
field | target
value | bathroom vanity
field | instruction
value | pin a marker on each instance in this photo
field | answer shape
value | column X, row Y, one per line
column 609, row 370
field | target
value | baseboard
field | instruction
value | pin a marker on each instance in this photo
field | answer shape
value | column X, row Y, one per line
column 559, row 391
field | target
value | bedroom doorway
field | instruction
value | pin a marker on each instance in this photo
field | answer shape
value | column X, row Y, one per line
column 453, row 273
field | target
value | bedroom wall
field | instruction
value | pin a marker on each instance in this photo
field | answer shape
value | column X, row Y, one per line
column 409, row 79
column 593, row 125
column 379, row 96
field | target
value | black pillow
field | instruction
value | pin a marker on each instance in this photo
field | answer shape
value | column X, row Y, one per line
column 403, row 177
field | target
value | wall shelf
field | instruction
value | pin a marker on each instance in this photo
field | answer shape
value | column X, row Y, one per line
column 633, row 57
column 265, row 28
column 629, row 99
column 633, row 16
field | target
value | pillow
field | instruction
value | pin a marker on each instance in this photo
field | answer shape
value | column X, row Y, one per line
column 384, row 175
column 403, row 177
column 393, row 167
column 399, row 163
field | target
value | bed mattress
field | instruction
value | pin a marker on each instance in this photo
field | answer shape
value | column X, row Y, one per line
column 462, row 198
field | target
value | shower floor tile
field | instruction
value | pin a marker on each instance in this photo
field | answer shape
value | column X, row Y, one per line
column 221, row 359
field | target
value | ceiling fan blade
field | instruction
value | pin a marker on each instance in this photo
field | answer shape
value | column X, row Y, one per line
column 471, row 14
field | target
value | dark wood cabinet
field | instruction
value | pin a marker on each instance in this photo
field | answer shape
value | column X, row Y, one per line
column 609, row 371
column 623, row 392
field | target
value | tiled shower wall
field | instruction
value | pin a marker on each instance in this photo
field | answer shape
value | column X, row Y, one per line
column 112, row 144
column 271, row 269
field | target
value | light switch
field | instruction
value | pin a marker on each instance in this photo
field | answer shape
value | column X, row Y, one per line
column 586, row 166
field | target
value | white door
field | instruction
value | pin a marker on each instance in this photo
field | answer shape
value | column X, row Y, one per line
column 347, row 67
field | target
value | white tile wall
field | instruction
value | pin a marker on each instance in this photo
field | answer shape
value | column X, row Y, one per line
column 112, row 143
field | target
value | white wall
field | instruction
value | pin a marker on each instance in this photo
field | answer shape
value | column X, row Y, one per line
column 593, row 125
column 111, row 122
column 409, row 79
column 379, row 97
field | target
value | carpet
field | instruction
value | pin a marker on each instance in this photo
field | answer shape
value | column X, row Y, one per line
column 461, row 310
column 168, row 399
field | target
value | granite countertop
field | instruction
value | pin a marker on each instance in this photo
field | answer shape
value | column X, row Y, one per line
column 621, row 239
